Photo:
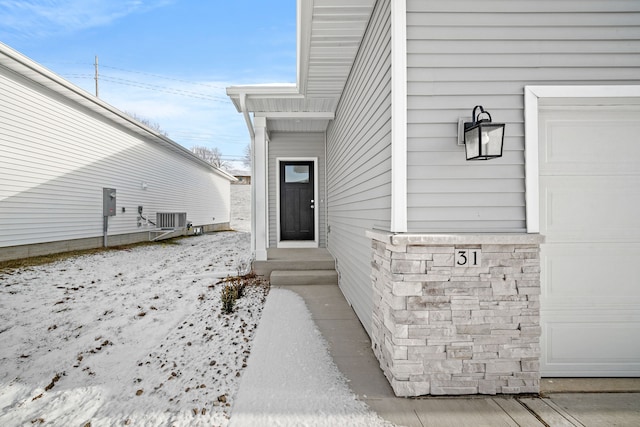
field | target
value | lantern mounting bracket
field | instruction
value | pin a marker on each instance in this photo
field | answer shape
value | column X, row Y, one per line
column 461, row 126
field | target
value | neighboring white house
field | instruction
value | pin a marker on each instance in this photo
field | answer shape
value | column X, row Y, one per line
column 61, row 147
column 371, row 129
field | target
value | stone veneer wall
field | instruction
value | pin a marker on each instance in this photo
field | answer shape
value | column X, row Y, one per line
column 444, row 330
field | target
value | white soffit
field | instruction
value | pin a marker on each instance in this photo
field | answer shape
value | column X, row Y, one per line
column 328, row 43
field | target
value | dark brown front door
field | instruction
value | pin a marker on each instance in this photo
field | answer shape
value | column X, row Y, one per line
column 297, row 201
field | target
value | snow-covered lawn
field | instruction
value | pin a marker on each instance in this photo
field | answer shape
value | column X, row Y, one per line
column 132, row 337
column 136, row 337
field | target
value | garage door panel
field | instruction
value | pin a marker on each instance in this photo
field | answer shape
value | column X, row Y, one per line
column 590, row 275
column 590, row 208
column 581, row 345
column 589, row 162
column 590, row 141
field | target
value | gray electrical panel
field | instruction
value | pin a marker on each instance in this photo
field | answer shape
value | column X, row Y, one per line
column 109, row 201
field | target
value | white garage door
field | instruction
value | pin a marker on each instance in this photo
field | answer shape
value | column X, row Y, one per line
column 590, row 215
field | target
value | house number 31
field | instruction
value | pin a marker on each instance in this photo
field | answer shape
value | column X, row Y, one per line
column 468, row 258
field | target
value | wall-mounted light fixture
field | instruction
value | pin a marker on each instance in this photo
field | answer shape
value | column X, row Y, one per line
column 482, row 138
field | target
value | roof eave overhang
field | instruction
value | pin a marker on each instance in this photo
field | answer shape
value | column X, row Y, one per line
column 324, row 28
column 304, row 18
column 276, row 91
column 315, row 115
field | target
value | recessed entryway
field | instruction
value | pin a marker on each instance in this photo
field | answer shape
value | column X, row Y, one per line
column 297, row 210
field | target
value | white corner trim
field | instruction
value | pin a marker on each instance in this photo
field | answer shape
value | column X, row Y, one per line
column 532, row 95
column 399, row 116
column 259, row 236
column 266, row 196
column 316, row 216
column 531, row 161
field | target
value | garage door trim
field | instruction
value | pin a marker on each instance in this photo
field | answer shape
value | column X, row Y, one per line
column 532, row 95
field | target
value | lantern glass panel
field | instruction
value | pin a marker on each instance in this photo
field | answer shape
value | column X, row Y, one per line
column 472, row 142
column 492, row 135
column 484, row 141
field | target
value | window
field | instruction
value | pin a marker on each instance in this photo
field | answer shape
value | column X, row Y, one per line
column 296, row 174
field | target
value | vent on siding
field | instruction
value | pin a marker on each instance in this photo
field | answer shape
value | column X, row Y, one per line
column 171, row 220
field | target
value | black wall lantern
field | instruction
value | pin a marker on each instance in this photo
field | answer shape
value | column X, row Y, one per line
column 483, row 139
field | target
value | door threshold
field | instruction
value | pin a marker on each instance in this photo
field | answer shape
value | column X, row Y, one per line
column 297, row 244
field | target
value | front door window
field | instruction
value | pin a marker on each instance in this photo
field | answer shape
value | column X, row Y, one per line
column 296, row 174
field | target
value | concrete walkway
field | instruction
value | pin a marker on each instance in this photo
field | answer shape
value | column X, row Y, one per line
column 610, row 403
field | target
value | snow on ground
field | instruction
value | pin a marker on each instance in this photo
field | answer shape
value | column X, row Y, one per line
column 291, row 379
column 136, row 337
column 133, row 337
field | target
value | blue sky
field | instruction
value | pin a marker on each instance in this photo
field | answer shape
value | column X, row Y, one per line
column 165, row 60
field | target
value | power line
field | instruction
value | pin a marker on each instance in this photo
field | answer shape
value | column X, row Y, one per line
column 140, row 72
column 159, row 88
column 148, row 86
column 183, row 135
column 202, row 136
column 163, row 77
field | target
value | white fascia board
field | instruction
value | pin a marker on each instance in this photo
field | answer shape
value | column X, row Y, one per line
column 532, row 95
column 399, row 116
column 307, row 115
column 265, row 90
column 304, row 18
column 275, row 90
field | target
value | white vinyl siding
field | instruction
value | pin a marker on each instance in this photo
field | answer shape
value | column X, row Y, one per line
column 467, row 53
column 305, row 145
column 56, row 156
column 359, row 163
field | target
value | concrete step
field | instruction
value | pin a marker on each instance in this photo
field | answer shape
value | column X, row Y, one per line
column 303, row 277
column 264, row 268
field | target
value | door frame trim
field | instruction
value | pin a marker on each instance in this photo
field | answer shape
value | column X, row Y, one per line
column 316, row 229
column 532, row 94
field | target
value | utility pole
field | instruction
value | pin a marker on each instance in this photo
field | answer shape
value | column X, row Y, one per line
column 96, row 65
